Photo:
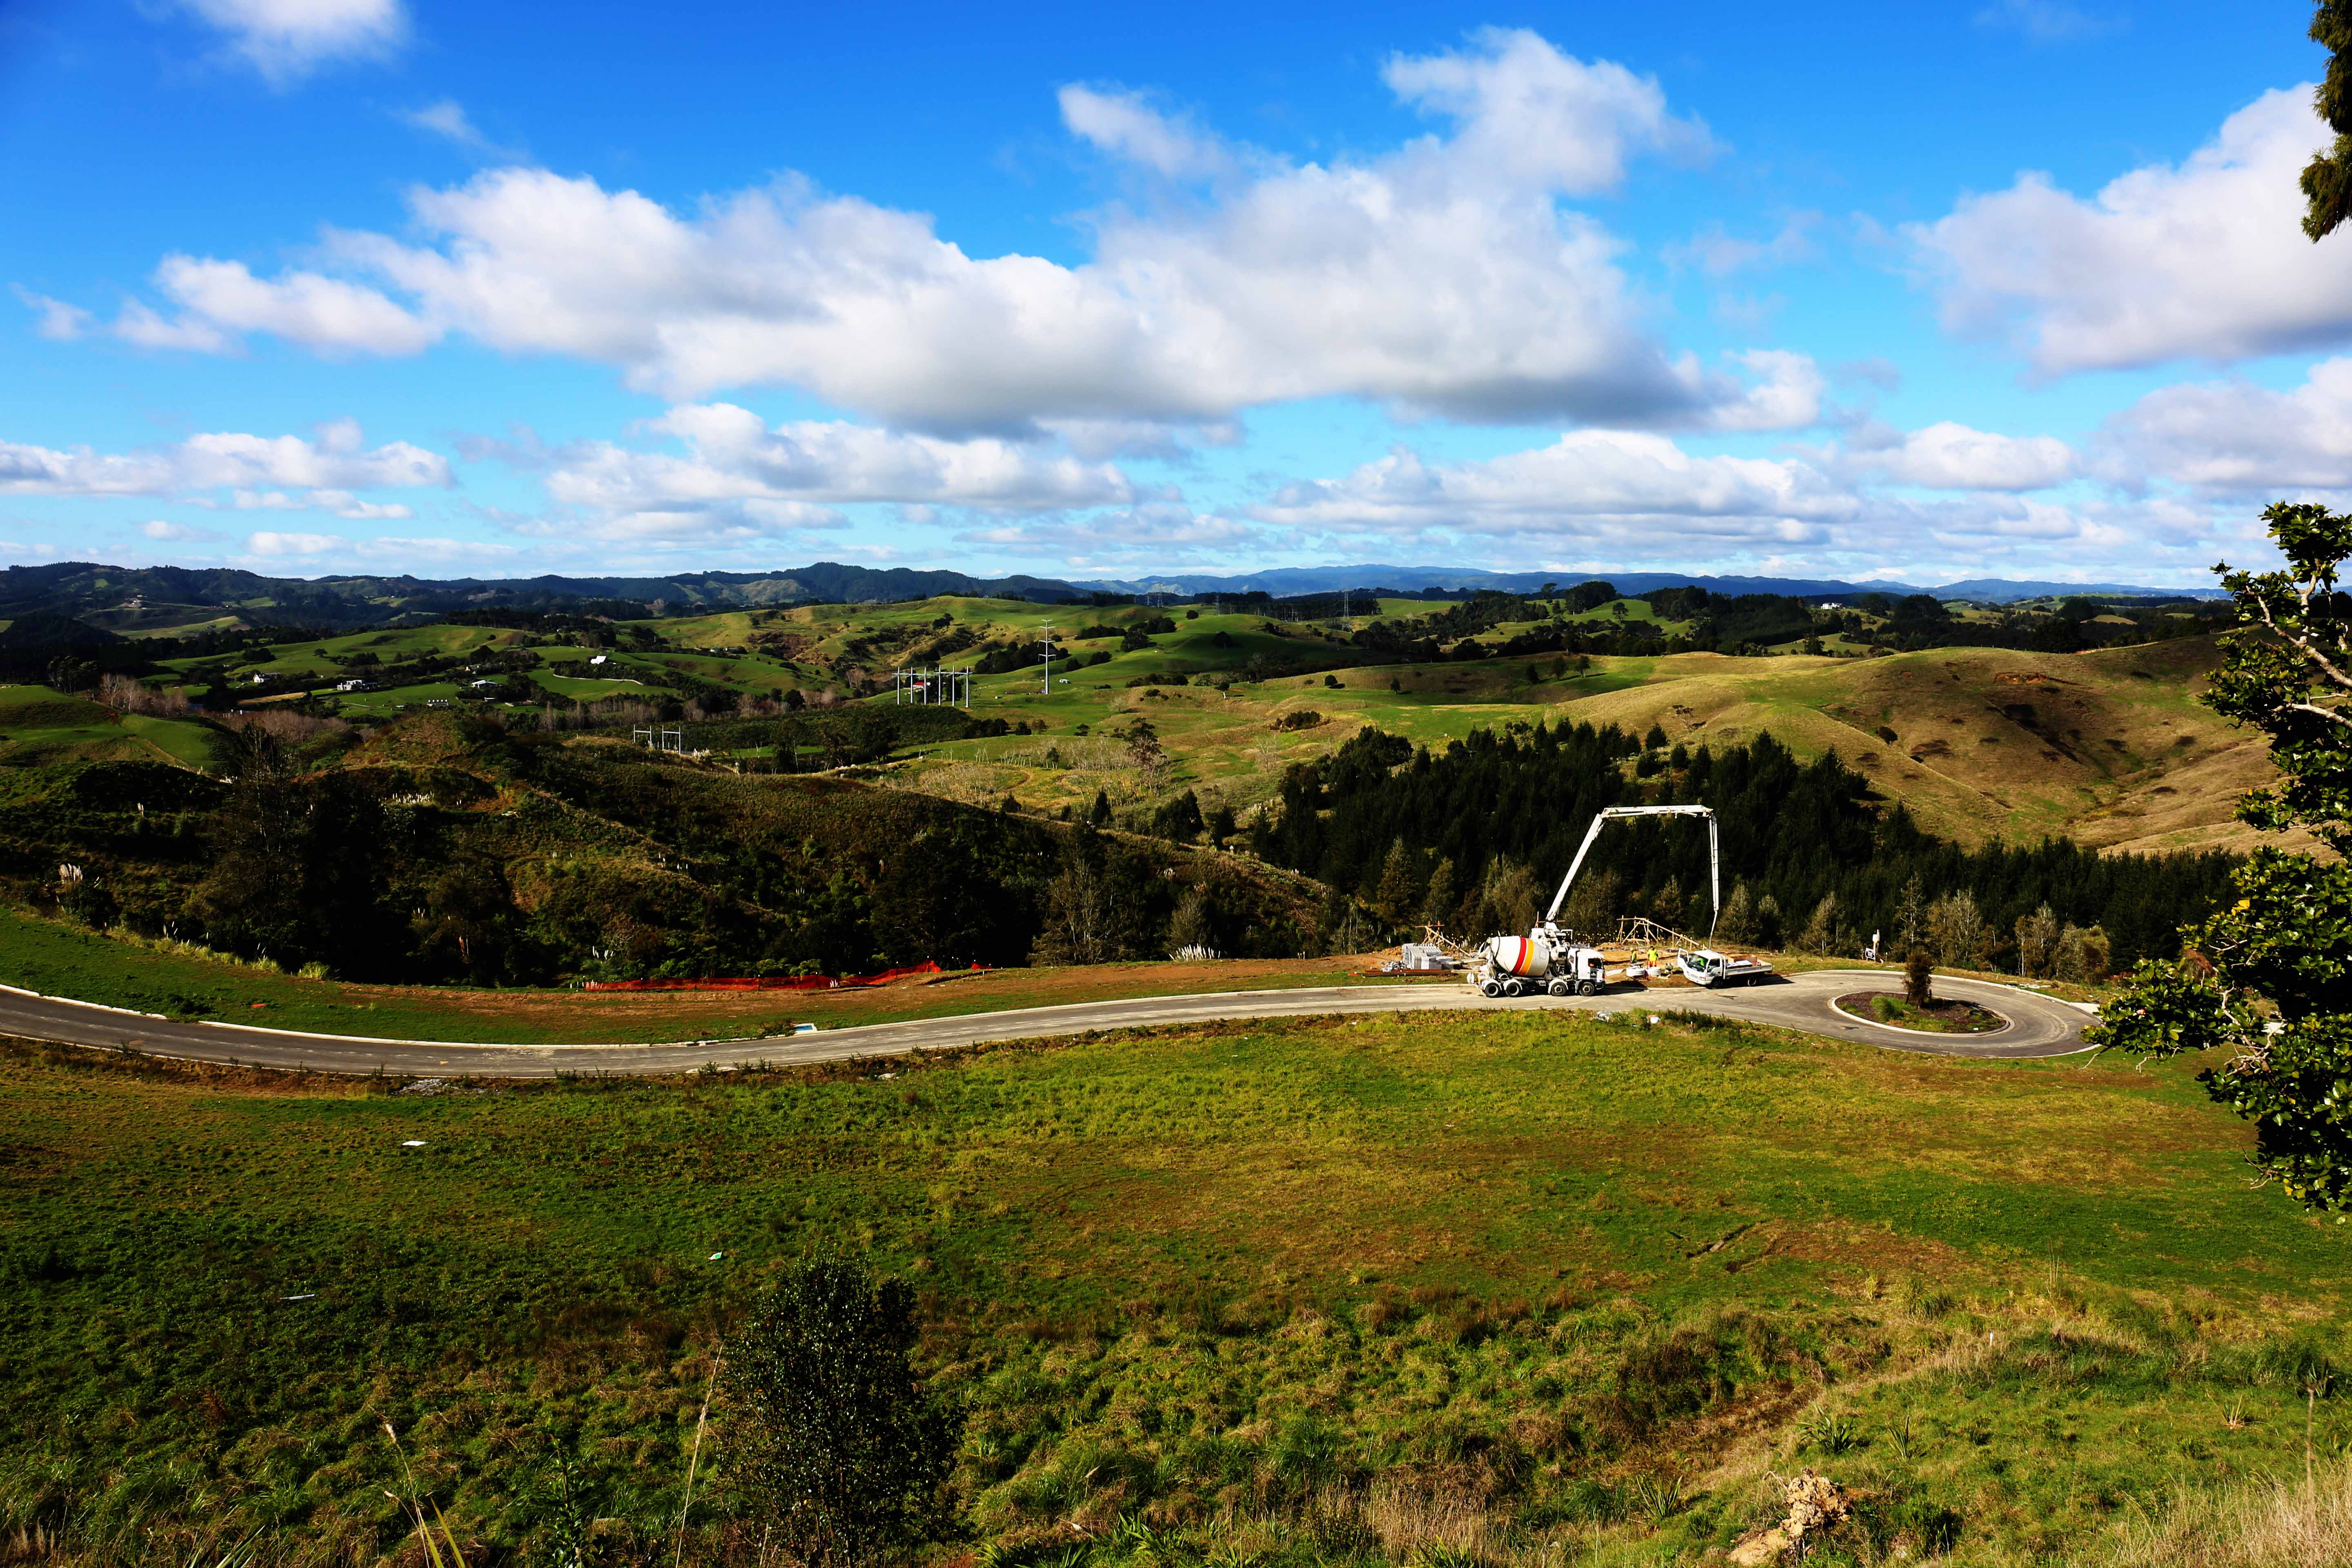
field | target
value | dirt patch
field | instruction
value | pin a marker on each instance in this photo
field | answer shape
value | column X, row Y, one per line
column 2028, row 678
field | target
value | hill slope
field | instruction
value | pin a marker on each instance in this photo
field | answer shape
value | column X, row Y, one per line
column 2109, row 746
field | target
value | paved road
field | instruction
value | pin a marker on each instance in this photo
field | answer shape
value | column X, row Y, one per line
column 2039, row 1026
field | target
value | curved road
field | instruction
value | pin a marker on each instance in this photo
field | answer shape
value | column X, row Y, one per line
column 2039, row 1026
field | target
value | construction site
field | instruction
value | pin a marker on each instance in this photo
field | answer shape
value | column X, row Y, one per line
column 1553, row 961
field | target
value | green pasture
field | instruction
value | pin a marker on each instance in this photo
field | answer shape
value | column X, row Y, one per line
column 1613, row 1273
column 39, row 726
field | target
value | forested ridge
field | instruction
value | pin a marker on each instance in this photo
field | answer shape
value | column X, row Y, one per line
column 1475, row 838
column 446, row 850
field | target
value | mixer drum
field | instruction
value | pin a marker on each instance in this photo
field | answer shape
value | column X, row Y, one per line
column 1520, row 955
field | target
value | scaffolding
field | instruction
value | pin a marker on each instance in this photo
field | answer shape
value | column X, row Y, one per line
column 926, row 688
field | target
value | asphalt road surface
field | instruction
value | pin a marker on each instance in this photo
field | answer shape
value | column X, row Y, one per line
column 2039, row 1026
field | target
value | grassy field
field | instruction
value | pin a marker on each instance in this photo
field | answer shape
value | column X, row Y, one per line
column 1530, row 1290
column 37, row 726
column 61, row 960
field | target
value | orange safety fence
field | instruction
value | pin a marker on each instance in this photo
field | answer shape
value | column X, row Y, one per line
column 777, row 982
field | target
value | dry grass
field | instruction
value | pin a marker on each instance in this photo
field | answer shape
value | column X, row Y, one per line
column 2271, row 1523
column 1407, row 1523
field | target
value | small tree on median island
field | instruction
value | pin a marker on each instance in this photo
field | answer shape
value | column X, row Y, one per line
column 834, row 1441
column 1919, row 978
column 2287, row 940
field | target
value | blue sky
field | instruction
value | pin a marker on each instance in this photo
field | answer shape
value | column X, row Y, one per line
column 2009, row 287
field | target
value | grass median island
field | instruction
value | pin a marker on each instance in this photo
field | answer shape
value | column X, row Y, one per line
column 1530, row 1288
column 1941, row 1015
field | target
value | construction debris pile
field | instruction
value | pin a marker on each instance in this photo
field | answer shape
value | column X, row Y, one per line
column 1817, row 1506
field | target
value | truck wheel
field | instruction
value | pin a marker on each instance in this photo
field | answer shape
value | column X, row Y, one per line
column 1511, row 988
column 1489, row 989
column 1588, row 989
column 1558, row 988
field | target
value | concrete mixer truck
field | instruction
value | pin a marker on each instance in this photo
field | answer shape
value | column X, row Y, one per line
column 1546, row 960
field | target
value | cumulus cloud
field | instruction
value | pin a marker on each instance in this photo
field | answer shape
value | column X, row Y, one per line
column 1126, row 126
column 2205, row 259
column 2236, row 438
column 1444, row 277
column 732, row 457
column 1154, row 534
column 1591, row 484
column 256, row 470
column 447, row 119
column 296, row 545
column 176, row 533
column 1947, row 456
column 220, row 300
column 1532, row 117
column 285, row 40
column 59, row 321
column 275, row 551
column 1598, row 500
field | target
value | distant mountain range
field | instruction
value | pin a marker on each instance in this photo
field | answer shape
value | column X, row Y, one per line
column 151, row 597
column 1290, row 580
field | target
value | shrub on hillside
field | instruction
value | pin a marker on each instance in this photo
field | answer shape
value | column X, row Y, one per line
column 835, row 1445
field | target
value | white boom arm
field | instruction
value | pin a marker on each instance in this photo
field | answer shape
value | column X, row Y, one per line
column 1714, row 854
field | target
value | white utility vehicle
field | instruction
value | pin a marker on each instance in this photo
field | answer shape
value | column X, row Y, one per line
column 1705, row 966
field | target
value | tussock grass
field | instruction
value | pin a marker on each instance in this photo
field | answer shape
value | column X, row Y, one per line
column 2264, row 1523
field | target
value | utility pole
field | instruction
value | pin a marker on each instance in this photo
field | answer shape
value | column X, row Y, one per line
column 1047, row 632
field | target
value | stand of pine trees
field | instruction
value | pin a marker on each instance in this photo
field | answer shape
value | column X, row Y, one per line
column 1475, row 838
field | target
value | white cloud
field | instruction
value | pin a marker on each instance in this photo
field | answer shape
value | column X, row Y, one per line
column 733, row 456
column 1590, row 485
column 256, row 470
column 1444, row 277
column 1155, row 534
column 1125, row 125
column 267, row 501
column 286, row 40
column 1532, row 117
column 219, row 301
column 2047, row 21
column 320, row 552
column 2202, row 260
column 59, row 321
column 1719, row 255
column 275, row 545
column 345, row 504
column 1785, row 395
column 1947, row 456
column 2235, row 437
column 447, row 119
column 176, row 533
column 1597, row 500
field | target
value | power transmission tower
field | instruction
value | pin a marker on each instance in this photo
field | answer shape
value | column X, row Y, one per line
column 1047, row 632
